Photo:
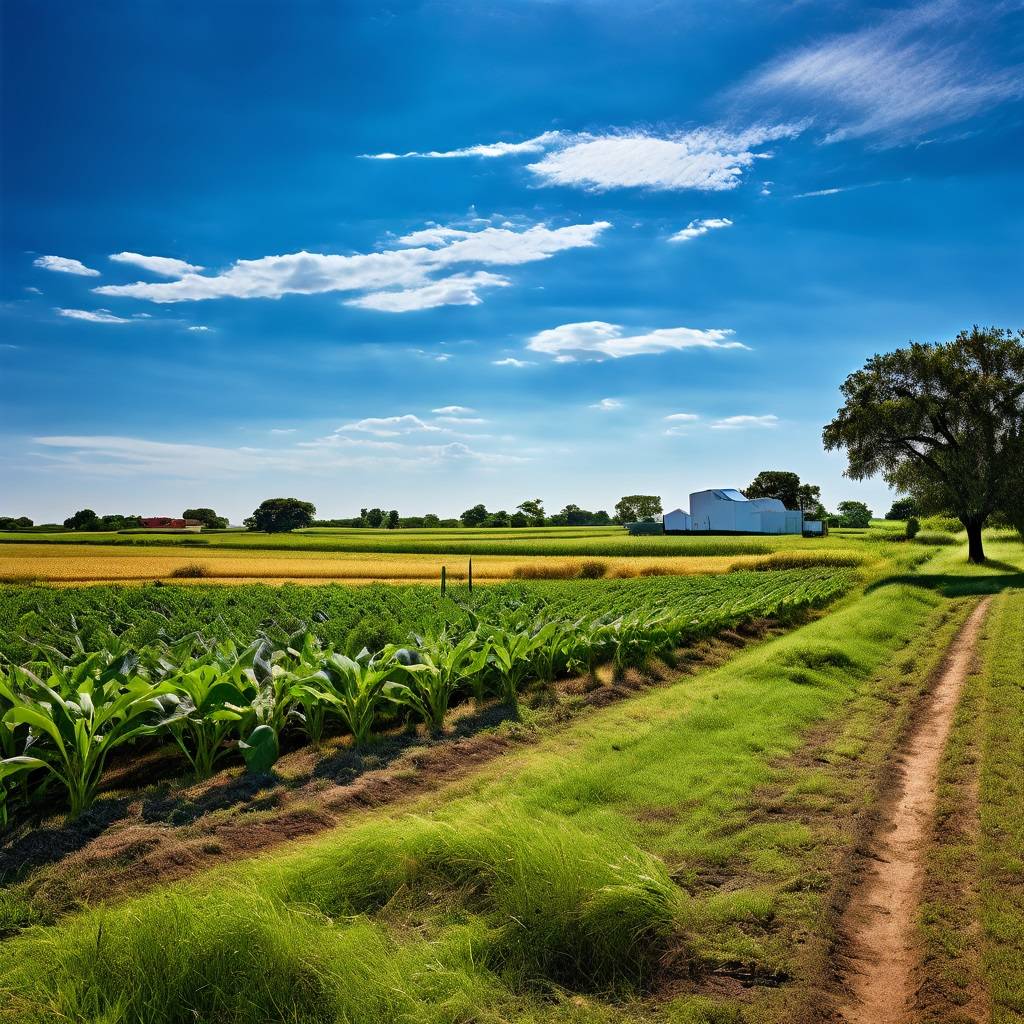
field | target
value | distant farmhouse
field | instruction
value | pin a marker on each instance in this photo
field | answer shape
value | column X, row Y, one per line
column 167, row 523
column 726, row 510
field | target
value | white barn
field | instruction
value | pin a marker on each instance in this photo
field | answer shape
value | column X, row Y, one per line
column 725, row 510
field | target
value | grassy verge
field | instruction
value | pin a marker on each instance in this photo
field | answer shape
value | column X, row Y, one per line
column 665, row 859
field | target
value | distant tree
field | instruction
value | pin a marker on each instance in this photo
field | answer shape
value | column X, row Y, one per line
column 393, row 519
column 776, row 483
column 533, row 509
column 431, row 520
column 573, row 515
column 519, row 519
column 499, row 519
column 113, row 522
column 913, row 527
column 474, row 516
column 601, row 518
column 15, row 523
column 854, row 514
column 281, row 515
column 84, row 519
column 902, row 508
column 943, row 423
column 207, row 517
column 374, row 517
column 634, row 508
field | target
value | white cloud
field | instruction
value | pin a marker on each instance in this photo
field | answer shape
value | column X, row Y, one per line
column 411, row 270
column 165, row 266
column 599, row 339
column 707, row 159
column 607, row 404
column 457, row 290
column 93, row 316
column 282, row 430
column 117, row 456
column 682, row 417
column 510, row 361
column 391, row 426
column 454, row 410
column 33, row 290
column 64, row 265
column 456, row 421
column 198, row 327
column 740, row 422
column 696, row 228
column 491, row 149
column 679, row 423
column 908, row 73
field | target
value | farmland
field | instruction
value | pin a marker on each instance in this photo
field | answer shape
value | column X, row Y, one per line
column 569, row 800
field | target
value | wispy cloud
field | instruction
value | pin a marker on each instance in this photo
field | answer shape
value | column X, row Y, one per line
column 94, row 316
column 64, row 265
column 454, row 410
column 597, row 339
column 457, row 290
column 412, row 276
column 696, row 228
column 608, row 404
column 165, row 266
column 680, row 422
column 705, row 159
column 743, row 421
column 491, row 149
column 392, row 426
column 512, row 361
column 835, row 190
column 910, row 72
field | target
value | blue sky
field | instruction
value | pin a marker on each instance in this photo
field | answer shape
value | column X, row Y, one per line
column 421, row 255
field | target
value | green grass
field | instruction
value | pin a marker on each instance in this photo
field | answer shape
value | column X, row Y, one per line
column 522, row 893
column 1001, row 855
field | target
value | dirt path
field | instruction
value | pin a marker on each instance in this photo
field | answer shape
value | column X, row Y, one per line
column 879, row 922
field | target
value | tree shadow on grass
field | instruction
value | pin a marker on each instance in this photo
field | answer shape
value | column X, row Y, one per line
column 953, row 585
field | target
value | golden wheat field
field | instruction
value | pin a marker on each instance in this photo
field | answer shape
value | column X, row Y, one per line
column 72, row 564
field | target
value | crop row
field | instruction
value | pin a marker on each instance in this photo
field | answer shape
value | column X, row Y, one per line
column 349, row 618
column 69, row 707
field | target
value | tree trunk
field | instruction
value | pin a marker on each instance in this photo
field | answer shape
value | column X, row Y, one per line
column 975, row 550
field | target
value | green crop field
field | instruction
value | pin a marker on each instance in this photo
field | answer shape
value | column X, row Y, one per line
column 632, row 800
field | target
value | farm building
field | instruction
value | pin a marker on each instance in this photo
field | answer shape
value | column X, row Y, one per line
column 725, row 510
column 167, row 523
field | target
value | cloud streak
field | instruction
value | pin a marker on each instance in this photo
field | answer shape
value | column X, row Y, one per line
column 891, row 81
column 414, row 275
column 696, row 228
column 165, row 266
column 597, row 339
column 705, row 159
column 64, row 265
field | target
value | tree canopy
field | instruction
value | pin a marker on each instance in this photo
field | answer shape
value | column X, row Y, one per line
column 943, row 423
column 636, row 507
column 280, row 515
column 207, row 517
column 854, row 513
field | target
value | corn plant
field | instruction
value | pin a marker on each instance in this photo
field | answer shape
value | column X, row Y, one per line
column 512, row 655
column 200, row 711
column 352, row 689
column 427, row 685
column 70, row 737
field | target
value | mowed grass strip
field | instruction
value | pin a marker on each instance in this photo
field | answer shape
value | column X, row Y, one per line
column 522, row 893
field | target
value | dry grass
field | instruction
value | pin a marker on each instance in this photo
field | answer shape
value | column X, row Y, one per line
column 71, row 564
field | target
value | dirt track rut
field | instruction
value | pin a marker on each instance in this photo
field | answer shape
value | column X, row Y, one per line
column 880, row 920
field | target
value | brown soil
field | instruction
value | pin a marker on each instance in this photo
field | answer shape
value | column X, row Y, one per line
column 880, row 921
column 135, row 838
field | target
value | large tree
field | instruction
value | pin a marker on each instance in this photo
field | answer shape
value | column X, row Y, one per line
column 943, row 423
column 533, row 509
column 280, row 515
column 635, row 507
column 775, row 483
